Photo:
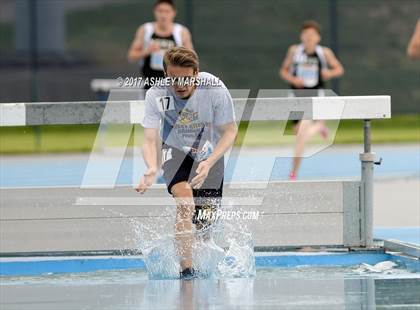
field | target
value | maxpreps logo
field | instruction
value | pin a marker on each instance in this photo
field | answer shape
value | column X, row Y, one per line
column 187, row 117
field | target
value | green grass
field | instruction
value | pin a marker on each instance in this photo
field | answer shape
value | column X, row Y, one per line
column 399, row 129
column 81, row 138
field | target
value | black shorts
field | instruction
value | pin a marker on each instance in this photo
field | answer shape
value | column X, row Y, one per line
column 179, row 167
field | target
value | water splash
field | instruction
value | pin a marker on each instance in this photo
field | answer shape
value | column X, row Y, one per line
column 385, row 267
column 161, row 260
column 239, row 260
column 224, row 250
column 206, row 256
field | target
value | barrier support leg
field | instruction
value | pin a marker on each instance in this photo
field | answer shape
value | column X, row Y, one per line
column 367, row 159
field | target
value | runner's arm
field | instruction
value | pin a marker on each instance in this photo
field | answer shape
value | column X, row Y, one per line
column 229, row 131
column 150, row 158
column 227, row 139
column 284, row 72
column 137, row 51
column 186, row 38
column 151, row 123
column 413, row 48
column 224, row 122
column 150, row 155
column 336, row 68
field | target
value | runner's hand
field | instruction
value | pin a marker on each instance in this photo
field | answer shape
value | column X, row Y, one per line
column 153, row 47
column 298, row 83
column 326, row 74
column 202, row 173
column 147, row 180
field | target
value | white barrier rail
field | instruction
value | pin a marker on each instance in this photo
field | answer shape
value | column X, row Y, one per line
column 92, row 112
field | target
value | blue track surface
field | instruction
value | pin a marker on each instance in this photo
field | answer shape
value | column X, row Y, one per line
column 69, row 170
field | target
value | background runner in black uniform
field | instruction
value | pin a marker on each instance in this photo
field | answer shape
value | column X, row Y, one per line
column 154, row 38
column 306, row 67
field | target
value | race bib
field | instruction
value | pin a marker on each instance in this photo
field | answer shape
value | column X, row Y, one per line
column 166, row 155
column 309, row 74
column 165, row 103
column 156, row 60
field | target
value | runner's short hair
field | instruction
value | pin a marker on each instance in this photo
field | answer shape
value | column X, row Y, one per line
column 181, row 57
column 170, row 2
column 311, row 24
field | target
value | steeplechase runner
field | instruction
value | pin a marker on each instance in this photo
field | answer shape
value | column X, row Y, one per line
column 197, row 127
column 307, row 67
column 153, row 39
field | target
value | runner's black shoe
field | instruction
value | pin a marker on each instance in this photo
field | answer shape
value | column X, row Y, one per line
column 188, row 274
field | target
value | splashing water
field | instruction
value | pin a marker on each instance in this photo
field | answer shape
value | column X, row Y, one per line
column 385, row 267
column 238, row 260
column 224, row 250
column 206, row 256
column 161, row 262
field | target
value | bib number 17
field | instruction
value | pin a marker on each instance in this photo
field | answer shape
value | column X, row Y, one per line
column 165, row 103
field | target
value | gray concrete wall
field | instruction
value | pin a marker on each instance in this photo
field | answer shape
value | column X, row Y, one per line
column 303, row 213
column 397, row 202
